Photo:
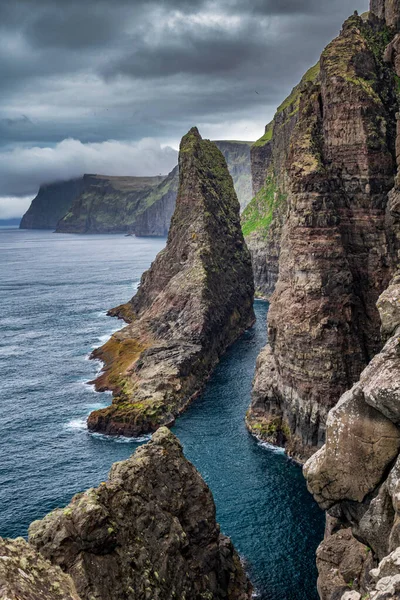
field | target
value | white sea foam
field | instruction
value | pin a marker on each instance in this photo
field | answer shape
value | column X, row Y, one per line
column 271, row 447
column 96, row 406
column 121, row 439
column 76, row 424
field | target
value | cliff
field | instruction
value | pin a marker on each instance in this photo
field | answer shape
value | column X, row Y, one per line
column 155, row 220
column 237, row 156
column 356, row 475
column 194, row 302
column 337, row 244
column 51, row 204
column 264, row 216
column 111, row 204
column 148, row 532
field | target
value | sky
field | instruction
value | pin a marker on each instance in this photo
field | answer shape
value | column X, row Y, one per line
column 96, row 86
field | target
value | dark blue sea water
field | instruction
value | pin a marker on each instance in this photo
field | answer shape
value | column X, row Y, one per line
column 54, row 293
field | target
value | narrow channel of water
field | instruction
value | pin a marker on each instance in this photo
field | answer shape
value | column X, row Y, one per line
column 54, row 292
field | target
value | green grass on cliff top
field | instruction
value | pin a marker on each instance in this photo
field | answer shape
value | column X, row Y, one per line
column 293, row 98
column 267, row 137
column 258, row 215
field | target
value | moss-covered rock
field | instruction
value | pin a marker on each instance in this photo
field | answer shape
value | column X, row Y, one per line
column 148, row 532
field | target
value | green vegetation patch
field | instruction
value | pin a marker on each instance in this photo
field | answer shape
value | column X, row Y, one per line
column 294, row 97
column 267, row 137
column 259, row 213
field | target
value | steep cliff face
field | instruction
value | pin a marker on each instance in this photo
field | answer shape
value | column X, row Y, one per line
column 195, row 300
column 237, row 156
column 356, row 475
column 265, row 215
column 110, row 204
column 51, row 204
column 149, row 532
column 26, row 575
column 336, row 250
column 156, row 219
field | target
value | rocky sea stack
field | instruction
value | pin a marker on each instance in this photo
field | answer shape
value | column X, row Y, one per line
column 196, row 300
column 148, row 533
column 330, row 229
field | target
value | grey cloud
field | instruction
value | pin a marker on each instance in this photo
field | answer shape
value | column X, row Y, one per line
column 23, row 170
column 95, row 71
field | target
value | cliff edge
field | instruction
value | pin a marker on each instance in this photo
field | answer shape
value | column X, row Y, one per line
column 337, row 249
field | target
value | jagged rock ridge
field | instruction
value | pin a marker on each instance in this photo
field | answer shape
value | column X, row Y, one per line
column 194, row 302
column 337, row 249
column 355, row 476
column 149, row 532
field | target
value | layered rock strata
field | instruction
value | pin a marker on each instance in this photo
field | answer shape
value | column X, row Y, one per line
column 149, row 532
column 265, row 215
column 336, row 246
column 194, row 302
column 356, row 476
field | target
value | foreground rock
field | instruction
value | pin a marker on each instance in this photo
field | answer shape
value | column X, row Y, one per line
column 26, row 575
column 149, row 532
column 356, row 476
column 192, row 304
column 336, row 246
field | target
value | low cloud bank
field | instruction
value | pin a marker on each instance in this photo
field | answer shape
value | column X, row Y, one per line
column 23, row 170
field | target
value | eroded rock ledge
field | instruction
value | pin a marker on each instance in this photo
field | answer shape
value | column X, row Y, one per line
column 148, row 533
column 196, row 300
column 356, row 477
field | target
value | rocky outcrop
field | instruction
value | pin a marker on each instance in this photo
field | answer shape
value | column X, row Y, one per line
column 51, row 204
column 149, row 532
column 194, row 302
column 26, row 575
column 156, row 219
column 112, row 204
column 356, row 474
column 336, row 244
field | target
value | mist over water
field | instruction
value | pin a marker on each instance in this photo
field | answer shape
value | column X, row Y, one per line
column 54, row 291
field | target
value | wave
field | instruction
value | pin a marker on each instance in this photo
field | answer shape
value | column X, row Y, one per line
column 76, row 424
column 121, row 439
column 270, row 447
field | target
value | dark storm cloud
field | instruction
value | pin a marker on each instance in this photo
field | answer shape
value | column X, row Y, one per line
column 96, row 70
